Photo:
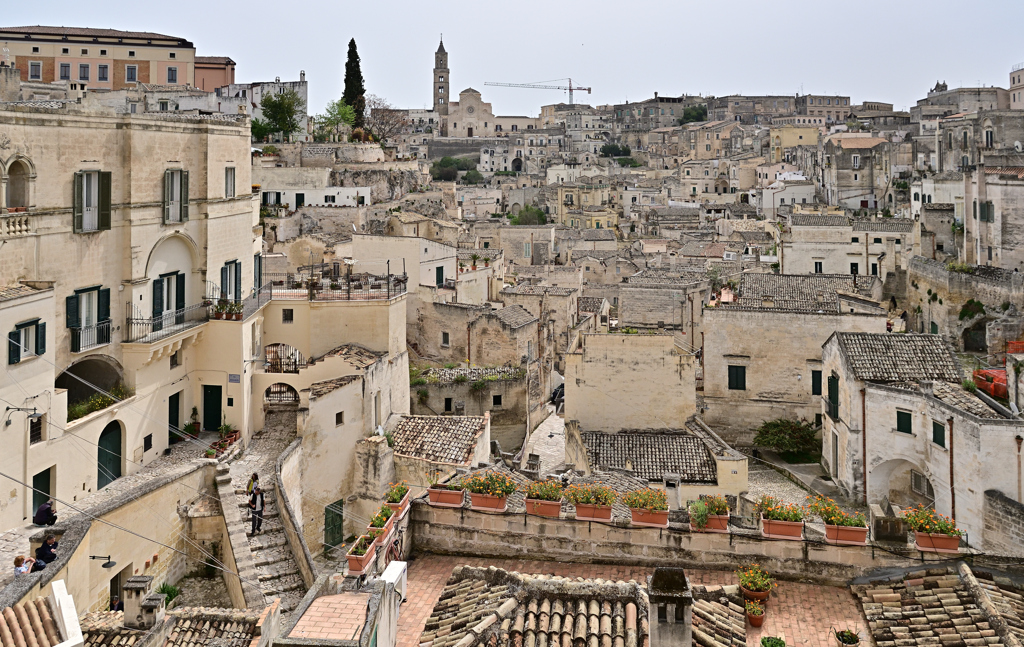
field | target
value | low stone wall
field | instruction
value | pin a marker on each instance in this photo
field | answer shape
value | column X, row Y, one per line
column 292, row 527
column 1004, row 524
column 461, row 531
column 244, row 589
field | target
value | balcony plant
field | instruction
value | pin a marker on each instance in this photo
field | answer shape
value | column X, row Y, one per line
column 649, row 507
column 384, row 520
column 487, row 261
column 397, row 497
column 780, row 520
column 845, row 637
column 475, row 258
column 377, row 535
column 716, row 516
column 755, row 613
column 444, row 495
column 489, row 490
column 235, row 309
column 772, row 641
column 220, row 310
column 755, row 582
column 593, row 501
column 841, row 528
column 933, row 532
column 361, row 554
column 544, row 499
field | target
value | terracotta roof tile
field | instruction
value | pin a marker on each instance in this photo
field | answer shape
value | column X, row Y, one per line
column 885, row 357
column 439, row 439
column 29, row 623
column 514, row 316
column 8, row 292
column 88, row 32
column 652, row 453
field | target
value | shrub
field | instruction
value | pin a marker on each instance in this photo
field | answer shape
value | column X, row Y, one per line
column 390, row 438
column 450, row 365
column 169, row 590
column 699, row 515
column 397, row 492
column 589, row 494
column 647, row 499
column 417, row 381
column 755, row 578
column 772, row 641
column 460, row 379
column 775, row 510
column 962, row 268
column 969, row 385
column 830, row 512
column 362, row 545
column 424, row 395
column 846, row 636
column 478, row 385
column 544, row 491
column 972, row 309
column 784, row 435
column 922, row 519
column 489, row 482
column 380, row 519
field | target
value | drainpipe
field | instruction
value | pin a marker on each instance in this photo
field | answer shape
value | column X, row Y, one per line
column 952, row 483
column 1019, row 440
column 469, row 344
column 864, row 438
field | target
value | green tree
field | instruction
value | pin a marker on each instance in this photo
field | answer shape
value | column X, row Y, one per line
column 282, row 111
column 261, row 129
column 787, row 436
column 337, row 113
column 693, row 113
column 529, row 216
column 473, row 176
column 354, row 90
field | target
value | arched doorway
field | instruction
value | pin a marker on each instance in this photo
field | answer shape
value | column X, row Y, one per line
column 83, row 378
column 108, row 459
column 975, row 338
column 17, row 184
column 280, row 393
column 282, row 358
column 902, row 483
column 517, row 165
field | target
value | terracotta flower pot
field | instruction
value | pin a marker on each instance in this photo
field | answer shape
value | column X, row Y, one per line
column 932, row 542
column 359, row 563
column 755, row 621
column 846, row 535
column 588, row 512
column 792, row 530
column 718, row 523
column 387, row 526
column 218, row 315
column 444, row 498
column 651, row 518
column 488, row 502
column 540, row 508
column 399, row 507
column 760, row 596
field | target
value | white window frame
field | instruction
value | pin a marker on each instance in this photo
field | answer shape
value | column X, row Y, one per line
column 28, row 341
column 175, row 200
column 229, row 182
column 131, row 73
column 90, row 201
column 88, row 308
column 38, row 65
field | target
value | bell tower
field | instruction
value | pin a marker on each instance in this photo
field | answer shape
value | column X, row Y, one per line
column 441, row 82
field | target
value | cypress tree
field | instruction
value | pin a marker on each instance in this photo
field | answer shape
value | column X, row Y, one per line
column 354, row 89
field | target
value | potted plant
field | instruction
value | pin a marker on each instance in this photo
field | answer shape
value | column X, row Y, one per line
column 220, row 310
column 544, row 499
column 648, row 506
column 593, row 501
column 846, row 637
column 475, row 258
column 718, row 513
column 841, row 528
column 698, row 516
column 191, row 428
column 462, row 267
column 236, row 310
column 377, row 535
column 755, row 582
column 489, row 490
column 487, row 261
column 398, row 498
column 755, row 613
column 361, row 554
column 444, row 495
column 772, row 641
column 224, row 430
column 780, row 520
column 210, row 453
column 933, row 532
column 383, row 519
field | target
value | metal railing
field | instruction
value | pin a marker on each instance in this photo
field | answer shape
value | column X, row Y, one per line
column 146, row 330
column 86, row 337
column 280, row 394
column 357, row 287
column 282, row 358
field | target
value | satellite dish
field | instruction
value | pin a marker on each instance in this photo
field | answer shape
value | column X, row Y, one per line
column 1017, row 146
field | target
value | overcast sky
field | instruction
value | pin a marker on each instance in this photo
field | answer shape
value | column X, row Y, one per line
column 891, row 51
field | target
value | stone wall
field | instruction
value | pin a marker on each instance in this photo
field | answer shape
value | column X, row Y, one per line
column 385, row 184
column 286, row 475
column 1004, row 524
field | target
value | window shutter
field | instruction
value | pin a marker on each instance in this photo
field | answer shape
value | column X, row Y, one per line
column 179, row 291
column 40, row 338
column 224, row 282
column 78, row 201
column 158, row 297
column 184, row 196
column 167, row 196
column 238, row 281
column 71, row 311
column 104, row 201
column 14, row 347
column 103, row 305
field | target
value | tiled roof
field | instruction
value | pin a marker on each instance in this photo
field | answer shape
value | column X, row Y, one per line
column 703, row 250
column 197, row 626
column 802, row 292
column 939, row 206
column 8, row 292
column 526, row 288
column 214, row 60
column 755, row 236
column 818, row 220
column 742, row 208
column 439, row 439
column 107, row 628
column 955, row 395
column 27, row 623
column 408, row 217
column 355, row 354
column 322, row 388
column 652, row 453
column 859, row 142
column 719, row 618
column 496, row 608
column 514, row 316
column 591, row 304
column 86, row 31
column 466, row 254
column 947, row 176
column 901, row 225
column 949, row 609
column 1016, row 171
column 885, row 357
column 598, row 234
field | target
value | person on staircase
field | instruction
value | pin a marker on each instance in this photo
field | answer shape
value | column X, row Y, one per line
column 254, row 481
column 256, row 506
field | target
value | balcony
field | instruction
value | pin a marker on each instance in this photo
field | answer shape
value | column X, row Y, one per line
column 355, row 287
column 89, row 337
column 142, row 330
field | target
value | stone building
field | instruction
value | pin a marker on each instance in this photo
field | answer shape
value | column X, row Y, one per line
column 762, row 351
column 835, row 109
column 549, row 304
column 900, row 427
column 835, row 244
column 851, row 166
column 430, row 446
column 994, row 200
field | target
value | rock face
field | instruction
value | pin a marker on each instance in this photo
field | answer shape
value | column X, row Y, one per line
column 385, row 184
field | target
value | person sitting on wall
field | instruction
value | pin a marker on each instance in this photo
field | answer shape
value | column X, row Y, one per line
column 44, row 515
column 45, row 553
column 23, row 565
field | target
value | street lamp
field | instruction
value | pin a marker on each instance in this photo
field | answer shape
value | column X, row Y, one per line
column 35, row 415
column 106, row 564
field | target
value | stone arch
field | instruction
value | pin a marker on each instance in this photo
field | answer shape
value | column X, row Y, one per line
column 281, row 393
column 517, row 164
column 109, row 454
column 98, row 370
column 154, row 259
column 20, row 175
column 895, row 480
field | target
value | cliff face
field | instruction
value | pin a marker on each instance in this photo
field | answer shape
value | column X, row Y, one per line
column 385, row 184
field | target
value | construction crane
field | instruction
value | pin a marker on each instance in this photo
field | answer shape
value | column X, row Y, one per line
column 539, row 86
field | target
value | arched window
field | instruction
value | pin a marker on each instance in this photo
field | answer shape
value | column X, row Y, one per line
column 917, row 197
column 17, row 184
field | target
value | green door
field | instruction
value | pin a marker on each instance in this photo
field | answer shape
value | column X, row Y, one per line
column 173, row 418
column 439, row 276
column 40, row 489
column 334, row 527
column 211, row 407
column 109, row 455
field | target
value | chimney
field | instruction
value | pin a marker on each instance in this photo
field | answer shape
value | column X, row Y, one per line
column 142, row 609
column 671, row 608
column 302, row 76
column 927, row 387
column 820, row 296
column 655, row 95
column 241, row 109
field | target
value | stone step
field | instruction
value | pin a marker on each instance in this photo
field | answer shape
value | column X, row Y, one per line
column 290, row 582
column 271, row 556
column 268, row 513
column 289, row 600
column 277, row 570
column 266, row 541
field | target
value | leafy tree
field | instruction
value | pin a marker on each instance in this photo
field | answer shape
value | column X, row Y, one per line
column 282, row 111
column 786, row 436
column 261, row 129
column 473, row 176
column 337, row 113
column 693, row 113
column 354, row 90
column 529, row 216
column 444, row 173
column 615, row 150
column 383, row 119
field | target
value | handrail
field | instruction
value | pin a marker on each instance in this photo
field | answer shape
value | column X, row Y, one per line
column 141, row 329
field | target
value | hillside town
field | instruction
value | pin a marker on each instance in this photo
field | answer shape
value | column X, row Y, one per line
column 689, row 371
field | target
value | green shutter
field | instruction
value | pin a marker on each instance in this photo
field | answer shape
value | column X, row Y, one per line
column 158, row 297
column 737, row 378
column 40, row 338
column 167, row 196
column 904, row 422
column 179, row 291
column 103, row 305
column 71, row 311
column 104, row 201
column 78, row 202
column 238, row 281
column 14, row 347
column 184, row 196
column 939, row 433
column 224, row 282
column 833, row 397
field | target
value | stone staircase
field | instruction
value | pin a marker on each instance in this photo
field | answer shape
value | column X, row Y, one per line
column 276, row 569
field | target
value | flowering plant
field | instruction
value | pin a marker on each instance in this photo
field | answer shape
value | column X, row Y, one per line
column 830, row 513
column 544, row 491
column 717, row 504
column 775, row 510
column 381, row 518
column 646, row 499
column 489, row 482
column 361, row 546
column 754, row 578
column 397, row 492
column 754, row 608
column 376, row 532
column 589, row 494
column 922, row 519
column 434, row 477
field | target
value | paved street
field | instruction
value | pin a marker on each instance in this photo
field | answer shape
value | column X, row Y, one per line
column 548, row 441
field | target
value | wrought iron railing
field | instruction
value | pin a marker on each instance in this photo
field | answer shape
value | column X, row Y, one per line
column 357, row 287
column 280, row 394
column 86, row 337
column 150, row 329
column 282, row 358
